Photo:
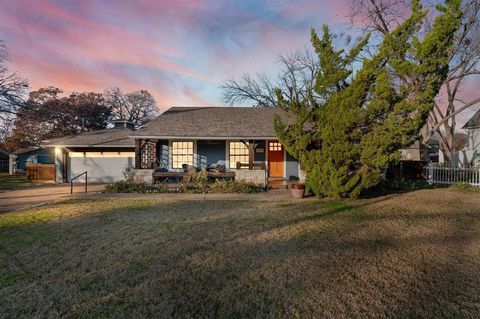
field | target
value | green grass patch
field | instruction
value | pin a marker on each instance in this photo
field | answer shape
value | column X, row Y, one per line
column 383, row 257
column 465, row 186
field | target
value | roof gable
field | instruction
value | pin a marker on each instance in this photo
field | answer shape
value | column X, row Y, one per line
column 474, row 121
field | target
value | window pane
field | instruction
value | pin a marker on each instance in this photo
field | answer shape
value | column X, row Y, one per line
column 182, row 153
column 238, row 152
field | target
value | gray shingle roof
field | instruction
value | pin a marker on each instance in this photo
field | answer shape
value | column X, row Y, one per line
column 4, row 154
column 474, row 121
column 106, row 137
column 31, row 149
column 212, row 122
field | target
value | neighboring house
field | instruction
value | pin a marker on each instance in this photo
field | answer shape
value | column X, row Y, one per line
column 4, row 161
column 415, row 152
column 471, row 154
column 31, row 155
column 104, row 154
column 241, row 138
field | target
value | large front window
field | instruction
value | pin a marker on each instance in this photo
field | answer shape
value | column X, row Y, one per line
column 182, row 153
column 238, row 153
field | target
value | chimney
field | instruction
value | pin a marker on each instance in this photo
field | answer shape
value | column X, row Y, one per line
column 123, row 124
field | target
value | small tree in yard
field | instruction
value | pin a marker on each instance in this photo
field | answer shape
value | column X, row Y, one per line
column 369, row 109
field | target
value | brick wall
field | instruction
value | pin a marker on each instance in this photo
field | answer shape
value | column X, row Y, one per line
column 148, row 155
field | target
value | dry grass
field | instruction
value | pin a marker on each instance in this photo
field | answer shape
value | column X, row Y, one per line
column 12, row 182
column 408, row 255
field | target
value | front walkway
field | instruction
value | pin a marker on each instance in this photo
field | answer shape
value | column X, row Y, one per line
column 25, row 198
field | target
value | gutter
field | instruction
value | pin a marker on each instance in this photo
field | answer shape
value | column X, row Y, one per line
column 97, row 145
column 233, row 138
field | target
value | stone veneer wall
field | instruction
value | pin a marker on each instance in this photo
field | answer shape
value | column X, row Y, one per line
column 144, row 175
column 256, row 176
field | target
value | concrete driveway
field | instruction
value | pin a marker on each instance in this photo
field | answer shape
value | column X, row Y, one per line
column 35, row 196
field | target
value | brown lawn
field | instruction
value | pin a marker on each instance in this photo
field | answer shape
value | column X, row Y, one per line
column 407, row 255
column 11, row 182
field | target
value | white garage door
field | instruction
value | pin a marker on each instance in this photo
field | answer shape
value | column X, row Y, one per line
column 101, row 167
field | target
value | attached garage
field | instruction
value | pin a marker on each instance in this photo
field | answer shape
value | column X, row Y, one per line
column 103, row 154
column 101, row 167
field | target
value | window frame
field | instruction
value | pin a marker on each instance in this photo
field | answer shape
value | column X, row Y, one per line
column 245, row 156
column 274, row 146
column 182, row 155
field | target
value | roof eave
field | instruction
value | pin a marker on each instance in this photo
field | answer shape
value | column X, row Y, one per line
column 470, row 127
column 171, row 137
column 86, row 145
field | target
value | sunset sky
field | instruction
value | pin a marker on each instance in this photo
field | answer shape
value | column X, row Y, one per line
column 179, row 50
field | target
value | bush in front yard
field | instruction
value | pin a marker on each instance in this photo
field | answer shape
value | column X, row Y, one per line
column 132, row 186
column 465, row 186
column 219, row 186
column 194, row 183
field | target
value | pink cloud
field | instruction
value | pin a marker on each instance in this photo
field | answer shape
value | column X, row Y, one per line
column 167, row 47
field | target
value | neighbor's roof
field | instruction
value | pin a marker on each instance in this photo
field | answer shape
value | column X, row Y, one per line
column 27, row 150
column 101, row 138
column 4, row 153
column 474, row 121
column 212, row 122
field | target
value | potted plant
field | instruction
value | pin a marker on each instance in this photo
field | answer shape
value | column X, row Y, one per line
column 298, row 190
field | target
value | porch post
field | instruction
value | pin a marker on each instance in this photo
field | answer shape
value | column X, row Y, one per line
column 138, row 155
column 65, row 178
column 251, row 151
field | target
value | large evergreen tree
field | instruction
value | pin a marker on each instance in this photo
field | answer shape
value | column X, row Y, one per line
column 371, row 109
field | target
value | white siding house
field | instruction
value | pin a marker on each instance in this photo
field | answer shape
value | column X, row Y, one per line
column 471, row 154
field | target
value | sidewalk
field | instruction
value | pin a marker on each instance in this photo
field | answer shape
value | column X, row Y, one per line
column 272, row 195
column 25, row 198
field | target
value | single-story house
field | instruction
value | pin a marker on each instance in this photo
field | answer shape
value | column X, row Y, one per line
column 241, row 139
column 31, row 155
column 471, row 154
column 4, row 161
column 104, row 154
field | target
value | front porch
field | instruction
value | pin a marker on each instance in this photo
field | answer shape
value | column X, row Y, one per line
column 254, row 160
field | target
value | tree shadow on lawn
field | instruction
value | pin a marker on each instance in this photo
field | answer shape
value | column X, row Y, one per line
column 391, row 187
column 237, row 259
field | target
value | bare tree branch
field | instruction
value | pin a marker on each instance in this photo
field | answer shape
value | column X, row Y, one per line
column 13, row 90
column 138, row 107
column 296, row 78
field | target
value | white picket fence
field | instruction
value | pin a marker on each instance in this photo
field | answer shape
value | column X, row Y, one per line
column 438, row 174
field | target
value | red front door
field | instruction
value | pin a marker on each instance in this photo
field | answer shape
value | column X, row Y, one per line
column 276, row 159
